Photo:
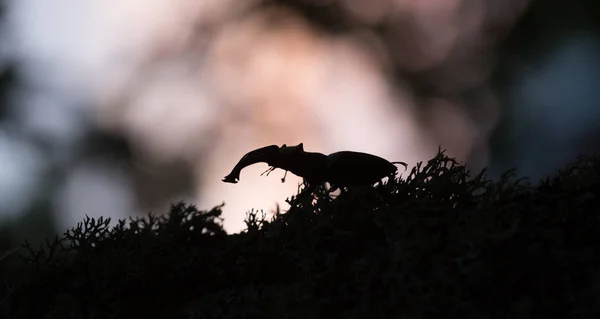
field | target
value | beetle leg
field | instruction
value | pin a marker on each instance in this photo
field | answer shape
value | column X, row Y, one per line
column 308, row 191
column 303, row 194
column 284, row 175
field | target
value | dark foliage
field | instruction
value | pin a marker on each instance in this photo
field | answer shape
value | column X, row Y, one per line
column 436, row 244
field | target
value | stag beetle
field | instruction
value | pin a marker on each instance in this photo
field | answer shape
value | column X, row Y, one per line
column 339, row 169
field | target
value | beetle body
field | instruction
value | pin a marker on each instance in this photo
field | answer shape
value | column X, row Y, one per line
column 348, row 168
column 342, row 169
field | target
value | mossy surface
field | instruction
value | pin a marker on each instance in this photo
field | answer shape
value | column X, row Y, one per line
column 435, row 243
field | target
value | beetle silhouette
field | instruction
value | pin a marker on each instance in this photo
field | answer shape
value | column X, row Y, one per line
column 308, row 165
column 339, row 169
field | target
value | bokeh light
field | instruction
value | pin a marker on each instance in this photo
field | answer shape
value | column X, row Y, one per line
column 190, row 86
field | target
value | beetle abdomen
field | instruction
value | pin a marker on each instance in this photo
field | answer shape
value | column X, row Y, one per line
column 348, row 168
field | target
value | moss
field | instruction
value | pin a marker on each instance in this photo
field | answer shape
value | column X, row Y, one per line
column 437, row 243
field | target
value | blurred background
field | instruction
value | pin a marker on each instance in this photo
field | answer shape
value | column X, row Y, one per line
column 118, row 108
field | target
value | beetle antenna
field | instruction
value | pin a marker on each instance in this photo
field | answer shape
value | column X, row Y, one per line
column 268, row 171
column 284, row 175
column 402, row 163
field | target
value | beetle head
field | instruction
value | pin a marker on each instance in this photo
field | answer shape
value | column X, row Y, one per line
column 290, row 150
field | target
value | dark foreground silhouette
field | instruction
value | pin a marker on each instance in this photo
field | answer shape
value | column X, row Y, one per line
column 434, row 244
